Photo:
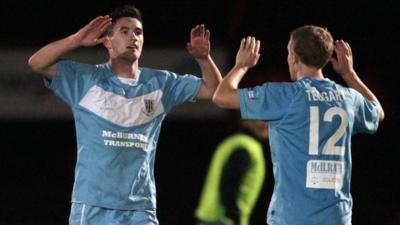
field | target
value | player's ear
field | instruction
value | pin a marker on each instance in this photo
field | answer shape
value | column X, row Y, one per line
column 296, row 58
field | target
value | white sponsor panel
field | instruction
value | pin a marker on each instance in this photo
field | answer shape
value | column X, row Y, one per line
column 123, row 111
column 325, row 174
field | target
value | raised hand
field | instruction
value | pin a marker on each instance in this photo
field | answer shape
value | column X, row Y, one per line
column 90, row 35
column 343, row 64
column 248, row 53
column 199, row 45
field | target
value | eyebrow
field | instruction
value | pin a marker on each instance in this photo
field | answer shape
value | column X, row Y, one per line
column 127, row 28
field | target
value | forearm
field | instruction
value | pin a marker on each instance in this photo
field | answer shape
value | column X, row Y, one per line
column 44, row 60
column 353, row 81
column 226, row 94
column 211, row 77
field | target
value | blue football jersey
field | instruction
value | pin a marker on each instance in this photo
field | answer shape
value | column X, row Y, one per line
column 117, row 128
column 310, row 127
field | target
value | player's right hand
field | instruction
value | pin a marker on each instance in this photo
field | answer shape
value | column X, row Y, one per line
column 248, row 53
column 91, row 34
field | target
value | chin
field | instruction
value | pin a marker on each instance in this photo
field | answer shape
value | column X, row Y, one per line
column 136, row 56
column 130, row 58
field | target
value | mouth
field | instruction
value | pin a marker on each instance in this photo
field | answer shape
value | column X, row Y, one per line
column 133, row 47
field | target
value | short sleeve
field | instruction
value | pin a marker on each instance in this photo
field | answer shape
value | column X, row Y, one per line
column 267, row 102
column 71, row 80
column 179, row 89
column 366, row 115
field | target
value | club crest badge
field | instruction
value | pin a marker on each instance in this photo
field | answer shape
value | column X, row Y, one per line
column 148, row 107
column 251, row 94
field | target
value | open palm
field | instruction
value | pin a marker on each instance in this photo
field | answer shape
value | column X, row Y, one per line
column 90, row 34
column 248, row 53
column 199, row 45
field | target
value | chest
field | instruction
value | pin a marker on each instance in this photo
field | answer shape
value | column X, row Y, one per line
column 124, row 106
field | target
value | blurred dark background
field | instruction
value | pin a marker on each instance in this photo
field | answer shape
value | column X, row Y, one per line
column 38, row 153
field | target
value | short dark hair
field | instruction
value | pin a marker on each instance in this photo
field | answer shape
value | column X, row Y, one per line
column 124, row 11
column 313, row 44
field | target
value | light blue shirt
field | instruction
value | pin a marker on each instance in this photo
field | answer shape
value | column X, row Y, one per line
column 311, row 123
column 117, row 129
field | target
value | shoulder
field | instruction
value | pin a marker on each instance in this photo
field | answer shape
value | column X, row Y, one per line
column 72, row 70
column 347, row 91
column 147, row 74
column 154, row 72
column 282, row 85
column 283, row 89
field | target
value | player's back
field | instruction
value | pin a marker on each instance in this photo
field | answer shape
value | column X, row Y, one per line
column 310, row 147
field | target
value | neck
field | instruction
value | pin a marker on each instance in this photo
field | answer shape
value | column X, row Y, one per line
column 124, row 68
column 306, row 71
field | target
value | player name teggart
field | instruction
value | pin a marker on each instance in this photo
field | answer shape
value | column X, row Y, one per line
column 314, row 95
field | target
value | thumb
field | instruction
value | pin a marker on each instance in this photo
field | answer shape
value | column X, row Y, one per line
column 189, row 46
column 333, row 61
column 100, row 40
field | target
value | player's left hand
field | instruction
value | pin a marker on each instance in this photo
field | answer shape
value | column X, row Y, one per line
column 343, row 63
column 199, row 45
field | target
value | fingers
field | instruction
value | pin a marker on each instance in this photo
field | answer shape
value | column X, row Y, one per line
column 96, row 20
column 343, row 47
column 200, row 31
column 100, row 40
column 258, row 46
column 196, row 31
column 242, row 43
column 248, row 54
column 207, row 36
column 193, row 32
column 105, row 24
column 251, row 44
column 349, row 49
column 248, row 42
column 343, row 63
column 98, row 25
column 100, row 20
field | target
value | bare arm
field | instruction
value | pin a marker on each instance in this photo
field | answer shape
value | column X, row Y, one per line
column 199, row 48
column 226, row 94
column 44, row 61
column 344, row 66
